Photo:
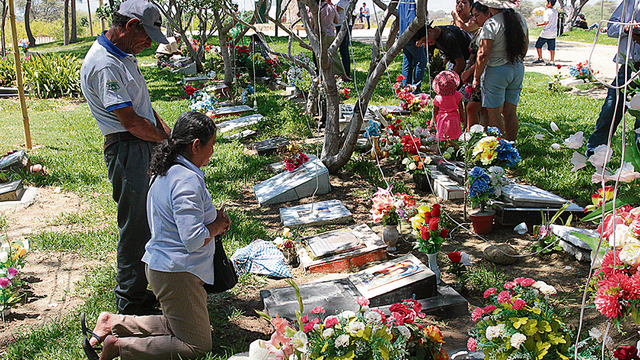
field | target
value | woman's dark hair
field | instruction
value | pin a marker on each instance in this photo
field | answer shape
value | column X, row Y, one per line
column 480, row 8
column 189, row 127
column 514, row 36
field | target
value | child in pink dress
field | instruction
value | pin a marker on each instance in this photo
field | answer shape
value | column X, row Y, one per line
column 447, row 108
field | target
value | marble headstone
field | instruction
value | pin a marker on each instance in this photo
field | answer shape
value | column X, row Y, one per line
column 530, row 196
column 320, row 213
column 231, row 110
column 11, row 191
column 294, row 185
column 269, row 146
column 238, row 123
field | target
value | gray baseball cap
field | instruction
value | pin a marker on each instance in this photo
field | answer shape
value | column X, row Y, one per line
column 148, row 15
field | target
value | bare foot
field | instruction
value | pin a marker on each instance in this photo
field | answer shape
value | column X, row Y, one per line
column 110, row 349
column 103, row 328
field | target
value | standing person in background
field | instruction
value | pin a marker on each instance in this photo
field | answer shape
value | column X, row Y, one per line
column 549, row 33
column 364, row 13
column 462, row 16
column 119, row 100
column 414, row 59
column 499, row 72
column 341, row 7
column 614, row 102
column 328, row 21
column 452, row 41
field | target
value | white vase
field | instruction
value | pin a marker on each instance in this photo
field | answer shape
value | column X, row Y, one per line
column 433, row 265
column 390, row 236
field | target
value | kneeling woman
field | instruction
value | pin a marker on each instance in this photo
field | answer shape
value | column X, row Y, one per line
column 179, row 256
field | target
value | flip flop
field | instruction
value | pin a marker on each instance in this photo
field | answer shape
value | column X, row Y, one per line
column 86, row 346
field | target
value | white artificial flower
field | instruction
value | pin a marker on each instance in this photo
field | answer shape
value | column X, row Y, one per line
column 574, row 141
column 601, row 154
column 596, row 334
column 539, row 136
column 538, row 284
column 293, row 357
column 518, row 339
column 634, row 103
column 608, row 343
column 327, row 333
column 356, row 326
column 4, row 256
column 364, row 308
column 465, row 137
column 278, row 241
column 317, row 327
column 465, row 259
column 630, row 254
column 476, row 129
column 412, row 166
column 404, row 331
column 300, row 341
column 621, row 236
column 496, row 171
column 347, row 314
column 406, row 161
column 599, row 175
column 427, row 160
column 554, row 127
column 258, row 351
column 372, row 316
column 342, row 341
column 578, row 161
column 548, row 290
column 493, row 332
column 398, row 204
column 555, row 146
column 627, row 173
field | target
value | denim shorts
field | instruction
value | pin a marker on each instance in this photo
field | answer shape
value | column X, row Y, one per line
column 502, row 84
column 551, row 43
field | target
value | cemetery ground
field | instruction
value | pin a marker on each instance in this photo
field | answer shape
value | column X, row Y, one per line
column 73, row 233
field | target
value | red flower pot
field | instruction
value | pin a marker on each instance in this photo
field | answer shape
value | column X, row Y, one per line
column 483, row 221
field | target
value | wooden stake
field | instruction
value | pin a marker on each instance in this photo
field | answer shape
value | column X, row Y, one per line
column 16, row 54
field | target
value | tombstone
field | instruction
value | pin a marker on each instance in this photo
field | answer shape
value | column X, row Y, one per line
column 231, row 110
column 384, row 285
column 508, row 214
column 320, row 213
column 454, row 170
column 269, row 146
column 237, row 123
column 340, row 250
column 528, row 196
column 311, row 177
column 244, row 134
column 16, row 161
column 197, row 79
column 572, row 244
column 11, row 191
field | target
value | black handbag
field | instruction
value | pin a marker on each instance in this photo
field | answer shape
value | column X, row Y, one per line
column 224, row 273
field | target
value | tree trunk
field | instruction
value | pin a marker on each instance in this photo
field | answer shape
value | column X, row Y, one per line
column 101, row 20
column 74, row 28
column 393, row 33
column 27, row 24
column 5, row 9
column 66, row 22
column 278, row 14
column 223, row 33
column 89, row 11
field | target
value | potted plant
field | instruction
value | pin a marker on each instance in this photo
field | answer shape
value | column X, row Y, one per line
column 390, row 208
column 481, row 190
column 430, row 233
column 415, row 165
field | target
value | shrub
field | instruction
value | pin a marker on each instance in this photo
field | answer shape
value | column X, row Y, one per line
column 7, row 73
column 52, row 75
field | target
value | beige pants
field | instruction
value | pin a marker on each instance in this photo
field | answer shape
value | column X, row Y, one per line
column 183, row 331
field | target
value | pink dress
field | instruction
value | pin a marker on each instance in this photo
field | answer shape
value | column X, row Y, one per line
column 448, row 119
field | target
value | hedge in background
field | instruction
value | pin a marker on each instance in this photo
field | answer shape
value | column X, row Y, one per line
column 46, row 75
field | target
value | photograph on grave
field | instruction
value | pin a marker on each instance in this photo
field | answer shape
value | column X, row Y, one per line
column 330, row 211
column 391, row 275
column 334, row 242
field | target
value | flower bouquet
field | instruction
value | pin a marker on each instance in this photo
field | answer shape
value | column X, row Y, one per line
column 390, row 208
column 581, row 71
column 481, row 188
column 410, row 101
column 12, row 260
column 428, row 229
column 415, row 164
column 292, row 164
column 520, row 323
column 365, row 334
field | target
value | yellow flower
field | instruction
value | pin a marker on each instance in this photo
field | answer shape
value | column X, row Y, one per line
column 630, row 254
column 433, row 333
column 423, row 209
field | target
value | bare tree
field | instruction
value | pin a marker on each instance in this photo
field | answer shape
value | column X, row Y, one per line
column 27, row 23
column 74, row 27
column 66, row 22
column 572, row 8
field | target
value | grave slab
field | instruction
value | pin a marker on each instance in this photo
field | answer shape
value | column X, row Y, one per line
column 244, row 134
column 239, row 123
column 447, row 303
column 231, row 110
column 507, row 214
column 320, row 213
column 526, row 196
column 269, row 146
column 16, row 161
column 294, row 185
column 454, row 170
column 572, row 244
column 11, row 191
column 366, row 247
column 447, row 189
column 28, row 198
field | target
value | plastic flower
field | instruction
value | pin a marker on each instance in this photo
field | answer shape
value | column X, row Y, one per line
column 607, row 304
column 578, row 161
column 626, row 173
column 471, row 344
column 476, row 314
column 554, row 127
column 318, row 310
column 490, row 292
column 575, row 141
column 518, row 304
column 485, row 150
column 433, row 332
column 601, row 155
column 465, row 259
column 362, row 301
column 330, row 321
column 539, row 136
column 299, row 341
column 4, row 282
column 504, row 297
column 517, row 339
column 489, row 309
column 342, row 341
column 455, row 256
column 12, row 272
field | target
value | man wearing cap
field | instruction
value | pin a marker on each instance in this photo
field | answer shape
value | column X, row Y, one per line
column 119, row 100
column 452, row 41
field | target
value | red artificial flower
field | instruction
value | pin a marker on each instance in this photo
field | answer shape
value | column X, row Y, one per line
column 433, row 224
column 455, row 256
column 400, row 78
column 626, row 353
column 559, row 66
column 435, row 211
column 424, row 232
column 444, row 233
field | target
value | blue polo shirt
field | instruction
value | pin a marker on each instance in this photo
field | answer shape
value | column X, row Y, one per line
column 111, row 79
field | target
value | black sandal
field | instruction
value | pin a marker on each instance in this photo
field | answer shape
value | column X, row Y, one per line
column 86, row 346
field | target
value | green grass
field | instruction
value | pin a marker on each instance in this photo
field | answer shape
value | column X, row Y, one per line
column 579, row 35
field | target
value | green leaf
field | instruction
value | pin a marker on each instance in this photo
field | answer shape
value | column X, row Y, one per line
column 632, row 154
column 384, row 352
column 263, row 315
column 593, row 243
column 608, row 207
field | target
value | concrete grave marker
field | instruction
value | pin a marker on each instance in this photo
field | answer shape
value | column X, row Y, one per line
column 508, row 214
column 333, row 243
column 572, row 244
column 239, row 123
column 269, row 146
column 530, row 196
column 231, row 110
column 16, row 161
column 244, row 134
column 11, row 191
column 294, row 185
column 324, row 212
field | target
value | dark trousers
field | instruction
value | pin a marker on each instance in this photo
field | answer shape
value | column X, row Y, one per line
column 600, row 135
column 344, row 51
column 413, row 65
column 128, row 165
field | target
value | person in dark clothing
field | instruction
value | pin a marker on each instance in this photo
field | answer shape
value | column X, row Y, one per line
column 452, row 41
